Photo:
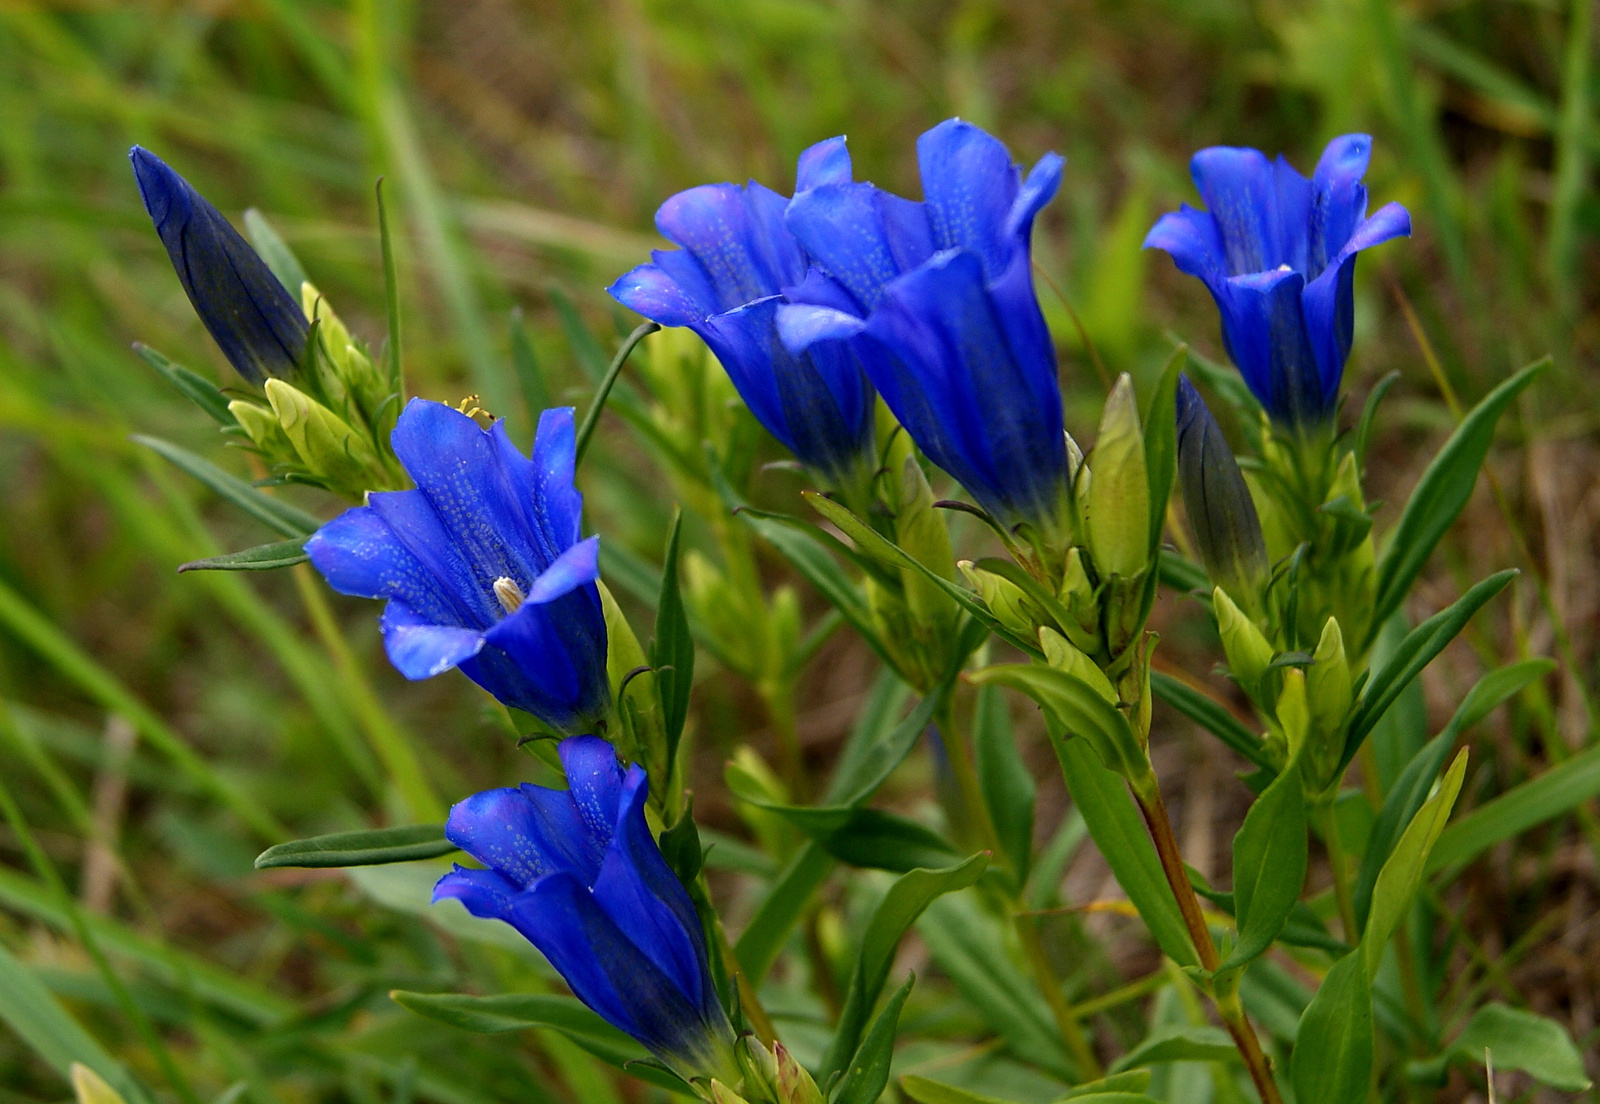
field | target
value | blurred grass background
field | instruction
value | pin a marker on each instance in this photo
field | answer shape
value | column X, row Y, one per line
column 527, row 145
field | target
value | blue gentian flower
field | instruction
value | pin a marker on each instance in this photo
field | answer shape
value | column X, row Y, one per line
column 937, row 299
column 481, row 564
column 727, row 283
column 252, row 317
column 578, row 873
column 1278, row 253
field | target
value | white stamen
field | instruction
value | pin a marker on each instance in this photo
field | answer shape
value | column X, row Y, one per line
column 509, row 593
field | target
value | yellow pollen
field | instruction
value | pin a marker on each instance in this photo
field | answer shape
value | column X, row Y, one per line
column 509, row 593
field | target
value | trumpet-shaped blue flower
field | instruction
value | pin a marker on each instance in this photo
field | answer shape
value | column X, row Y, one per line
column 481, row 564
column 254, row 320
column 937, row 299
column 578, row 873
column 1278, row 253
column 726, row 284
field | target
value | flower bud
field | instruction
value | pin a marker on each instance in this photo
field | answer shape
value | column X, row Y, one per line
column 1063, row 655
column 1119, row 498
column 345, row 370
column 921, row 531
column 1078, row 595
column 795, row 1085
column 721, row 1094
column 1005, row 599
column 90, row 1088
column 263, row 429
column 1215, row 496
column 331, row 451
column 760, row 1071
column 1293, row 711
column 1329, row 695
column 1249, row 653
column 250, row 315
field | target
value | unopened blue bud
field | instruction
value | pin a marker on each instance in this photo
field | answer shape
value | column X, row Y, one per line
column 1217, row 500
column 253, row 318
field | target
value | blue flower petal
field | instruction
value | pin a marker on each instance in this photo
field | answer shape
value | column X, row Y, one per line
column 549, row 659
column 968, row 186
column 253, row 318
column 478, row 502
column 1265, row 332
column 608, row 971
column 549, row 493
column 648, row 903
column 594, row 786
column 801, row 325
column 982, row 408
column 1328, row 302
column 1191, row 238
column 485, row 893
column 364, row 552
column 827, row 162
column 651, row 290
column 1040, row 187
column 525, row 833
column 1239, row 187
column 446, row 587
column 1338, row 198
column 861, row 236
column 576, row 566
column 419, row 647
column 737, row 237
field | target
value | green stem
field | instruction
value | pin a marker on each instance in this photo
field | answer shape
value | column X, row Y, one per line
column 1338, row 862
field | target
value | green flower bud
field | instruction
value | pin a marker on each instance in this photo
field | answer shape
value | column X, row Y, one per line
column 345, row 371
column 1328, row 693
column 640, row 737
column 1119, row 498
column 721, row 1094
column 1294, row 712
column 795, row 1085
column 1217, row 500
column 331, row 451
column 760, row 1069
column 263, row 429
column 1078, row 595
column 921, row 531
column 1063, row 655
column 1249, row 653
column 1005, row 599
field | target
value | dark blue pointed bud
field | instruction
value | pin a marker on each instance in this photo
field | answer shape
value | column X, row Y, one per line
column 1217, row 500
column 255, row 321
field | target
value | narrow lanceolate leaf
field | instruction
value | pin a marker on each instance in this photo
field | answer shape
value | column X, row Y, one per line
column 1517, row 1039
column 1078, row 708
column 672, row 651
column 1181, row 1042
column 381, row 845
column 1441, row 493
column 1003, row 777
column 1410, row 790
column 1401, row 876
column 1210, row 715
column 1556, row 791
column 1269, row 867
column 1118, row 830
column 868, row 1073
column 896, row 913
column 31, row 1011
column 876, row 840
column 195, row 387
column 263, row 557
column 517, row 1011
column 1332, row 1061
column 1415, row 652
column 271, row 512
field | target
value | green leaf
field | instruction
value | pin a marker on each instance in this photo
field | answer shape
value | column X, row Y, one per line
column 1410, row 790
column 602, row 390
column 875, row 840
column 1415, row 652
column 1518, row 1039
column 965, row 939
column 1269, row 866
column 1004, row 780
column 1180, row 1042
column 271, row 512
column 371, row 848
column 1078, row 708
column 868, row 1073
column 195, row 387
column 1161, row 443
column 263, row 557
column 1332, row 1060
column 925, row 1091
column 1132, row 1082
column 1211, row 716
column 672, row 650
column 517, row 1011
column 30, row 1010
column 763, row 937
column 1441, row 494
column 1110, row 1090
column 1402, row 874
column 1182, row 574
column 1369, row 414
column 899, row 909
column 391, row 297
column 874, row 544
column 587, row 351
column 1553, row 793
column 1118, row 830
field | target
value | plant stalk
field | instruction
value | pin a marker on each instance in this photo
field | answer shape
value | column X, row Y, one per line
column 1339, row 863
